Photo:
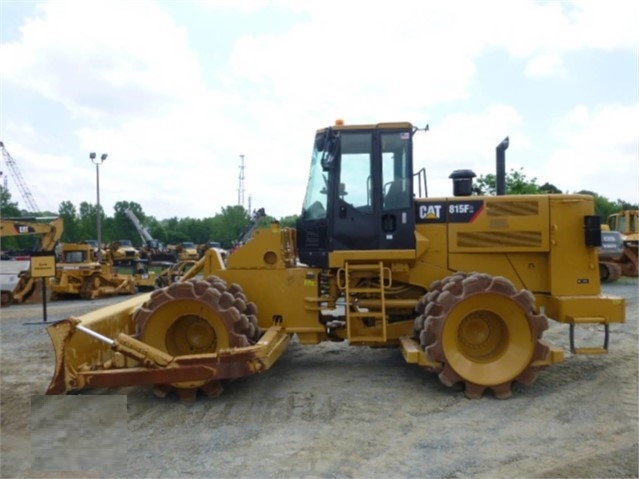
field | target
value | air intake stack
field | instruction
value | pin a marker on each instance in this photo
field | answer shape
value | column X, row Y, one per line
column 462, row 182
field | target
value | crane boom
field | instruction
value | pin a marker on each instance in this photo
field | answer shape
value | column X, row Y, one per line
column 143, row 232
column 17, row 176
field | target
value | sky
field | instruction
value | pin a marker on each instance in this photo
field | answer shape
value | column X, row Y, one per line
column 201, row 105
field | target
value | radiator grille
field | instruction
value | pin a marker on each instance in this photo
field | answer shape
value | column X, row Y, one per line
column 512, row 208
column 487, row 239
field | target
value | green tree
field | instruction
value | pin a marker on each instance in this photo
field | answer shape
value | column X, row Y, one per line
column 289, row 221
column 156, row 229
column 68, row 213
column 234, row 223
column 214, row 228
column 195, row 230
column 516, row 184
column 87, row 221
column 550, row 188
column 174, row 233
column 8, row 208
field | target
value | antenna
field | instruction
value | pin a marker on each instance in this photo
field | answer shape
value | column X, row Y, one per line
column 240, row 190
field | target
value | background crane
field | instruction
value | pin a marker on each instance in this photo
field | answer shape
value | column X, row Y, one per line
column 142, row 230
column 17, row 176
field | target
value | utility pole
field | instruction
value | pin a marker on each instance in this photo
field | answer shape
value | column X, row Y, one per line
column 97, row 162
column 240, row 190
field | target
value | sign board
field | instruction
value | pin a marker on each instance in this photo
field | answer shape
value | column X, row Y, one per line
column 42, row 264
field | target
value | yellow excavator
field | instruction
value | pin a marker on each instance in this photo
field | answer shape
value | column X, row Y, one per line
column 463, row 286
column 29, row 289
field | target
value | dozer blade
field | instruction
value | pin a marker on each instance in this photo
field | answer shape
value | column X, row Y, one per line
column 99, row 350
column 76, row 351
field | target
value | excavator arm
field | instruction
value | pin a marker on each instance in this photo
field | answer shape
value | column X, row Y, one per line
column 27, row 288
column 52, row 231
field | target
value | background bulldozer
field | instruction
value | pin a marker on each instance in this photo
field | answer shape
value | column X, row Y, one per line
column 463, row 286
column 186, row 251
column 627, row 224
column 79, row 275
column 611, row 255
column 122, row 252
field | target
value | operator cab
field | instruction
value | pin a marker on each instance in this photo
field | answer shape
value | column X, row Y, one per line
column 360, row 192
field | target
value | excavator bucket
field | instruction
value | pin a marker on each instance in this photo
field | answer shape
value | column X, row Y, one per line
column 36, row 295
column 29, row 291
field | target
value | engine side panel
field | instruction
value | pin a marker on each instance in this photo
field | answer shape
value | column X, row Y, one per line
column 537, row 241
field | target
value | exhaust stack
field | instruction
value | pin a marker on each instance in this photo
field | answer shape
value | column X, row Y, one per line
column 501, row 167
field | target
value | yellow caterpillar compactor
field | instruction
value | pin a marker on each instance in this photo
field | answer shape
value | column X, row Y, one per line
column 463, row 286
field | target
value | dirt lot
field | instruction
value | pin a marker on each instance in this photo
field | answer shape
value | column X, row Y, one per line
column 338, row 411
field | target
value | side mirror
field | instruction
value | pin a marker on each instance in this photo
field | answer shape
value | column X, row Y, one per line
column 327, row 160
column 328, row 144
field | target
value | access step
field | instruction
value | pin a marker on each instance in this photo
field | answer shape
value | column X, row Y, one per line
column 584, row 321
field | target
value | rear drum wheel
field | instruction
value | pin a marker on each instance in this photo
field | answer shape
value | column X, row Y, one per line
column 484, row 333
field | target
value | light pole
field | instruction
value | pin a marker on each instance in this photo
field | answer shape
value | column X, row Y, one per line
column 97, row 164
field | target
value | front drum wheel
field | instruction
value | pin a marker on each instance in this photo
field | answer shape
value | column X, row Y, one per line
column 197, row 317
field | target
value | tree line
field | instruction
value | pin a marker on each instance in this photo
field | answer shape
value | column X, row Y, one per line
column 231, row 222
column 80, row 224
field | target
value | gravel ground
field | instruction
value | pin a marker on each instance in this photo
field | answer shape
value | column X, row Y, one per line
column 328, row 411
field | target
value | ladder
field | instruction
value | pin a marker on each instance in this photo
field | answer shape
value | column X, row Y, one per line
column 378, row 316
column 573, row 321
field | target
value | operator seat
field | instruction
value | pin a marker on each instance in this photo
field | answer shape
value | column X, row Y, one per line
column 397, row 195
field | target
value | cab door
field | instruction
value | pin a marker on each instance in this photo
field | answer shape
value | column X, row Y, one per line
column 396, row 219
column 372, row 200
column 354, row 210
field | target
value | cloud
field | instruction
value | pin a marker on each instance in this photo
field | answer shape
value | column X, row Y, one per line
column 598, row 150
column 103, row 59
column 466, row 141
column 136, row 81
column 545, row 65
